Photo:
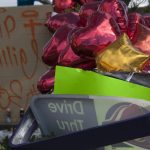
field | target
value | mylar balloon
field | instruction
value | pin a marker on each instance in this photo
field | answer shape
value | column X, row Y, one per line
column 62, row 5
column 100, row 31
column 86, row 65
column 141, row 38
column 134, row 20
column 116, row 8
column 68, row 58
column 146, row 67
column 58, row 20
column 56, row 45
column 121, row 56
column 87, row 1
column 46, row 81
column 147, row 19
column 87, row 10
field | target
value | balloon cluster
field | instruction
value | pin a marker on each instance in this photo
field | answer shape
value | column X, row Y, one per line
column 102, row 34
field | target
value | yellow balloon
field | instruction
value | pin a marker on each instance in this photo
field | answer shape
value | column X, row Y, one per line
column 121, row 56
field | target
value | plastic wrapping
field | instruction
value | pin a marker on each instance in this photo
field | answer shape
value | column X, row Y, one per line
column 138, row 78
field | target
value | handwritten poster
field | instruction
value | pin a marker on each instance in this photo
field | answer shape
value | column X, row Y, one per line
column 22, row 38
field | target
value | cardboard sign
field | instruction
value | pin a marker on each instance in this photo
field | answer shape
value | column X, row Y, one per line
column 59, row 115
column 22, row 38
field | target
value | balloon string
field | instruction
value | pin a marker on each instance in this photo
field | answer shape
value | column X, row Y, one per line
column 130, row 75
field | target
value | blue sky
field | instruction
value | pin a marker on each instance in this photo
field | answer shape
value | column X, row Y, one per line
column 14, row 2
